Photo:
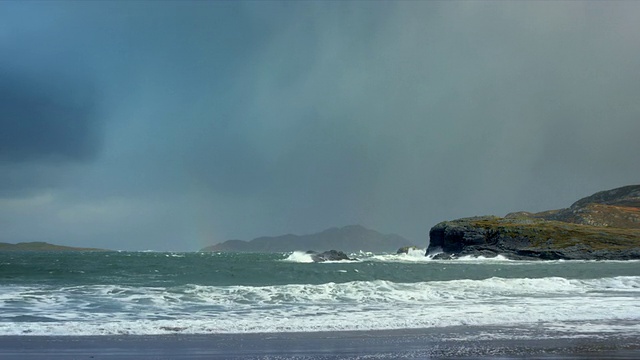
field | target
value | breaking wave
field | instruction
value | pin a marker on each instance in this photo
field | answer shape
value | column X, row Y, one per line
column 357, row 305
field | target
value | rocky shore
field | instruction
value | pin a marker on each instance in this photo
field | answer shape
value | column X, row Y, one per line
column 604, row 226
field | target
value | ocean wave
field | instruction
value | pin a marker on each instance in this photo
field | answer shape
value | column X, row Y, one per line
column 359, row 305
column 299, row 257
column 304, row 257
column 412, row 256
column 418, row 256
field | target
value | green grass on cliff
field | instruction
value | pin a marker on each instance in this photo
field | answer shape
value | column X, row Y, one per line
column 555, row 234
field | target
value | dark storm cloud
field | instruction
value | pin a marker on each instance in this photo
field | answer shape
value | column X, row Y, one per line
column 51, row 121
column 217, row 120
column 43, row 120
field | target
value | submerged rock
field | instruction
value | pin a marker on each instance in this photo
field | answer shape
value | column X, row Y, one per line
column 406, row 249
column 331, row 255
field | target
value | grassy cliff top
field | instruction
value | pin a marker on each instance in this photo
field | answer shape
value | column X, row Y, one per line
column 557, row 234
column 619, row 208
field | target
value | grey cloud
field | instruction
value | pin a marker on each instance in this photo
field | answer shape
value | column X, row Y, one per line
column 458, row 110
column 235, row 120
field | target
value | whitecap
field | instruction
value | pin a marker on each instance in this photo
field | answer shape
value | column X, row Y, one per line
column 299, row 257
column 568, row 305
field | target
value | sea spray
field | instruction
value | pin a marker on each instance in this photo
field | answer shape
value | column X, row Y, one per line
column 299, row 257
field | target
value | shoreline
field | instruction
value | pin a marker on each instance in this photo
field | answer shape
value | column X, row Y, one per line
column 458, row 342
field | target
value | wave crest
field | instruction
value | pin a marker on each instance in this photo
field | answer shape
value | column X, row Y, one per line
column 299, row 257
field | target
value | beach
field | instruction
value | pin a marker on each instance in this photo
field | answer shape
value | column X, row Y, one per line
column 451, row 343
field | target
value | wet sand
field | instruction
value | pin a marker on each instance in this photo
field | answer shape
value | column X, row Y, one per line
column 470, row 343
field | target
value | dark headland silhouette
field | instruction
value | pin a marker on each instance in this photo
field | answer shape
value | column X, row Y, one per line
column 352, row 238
column 42, row 246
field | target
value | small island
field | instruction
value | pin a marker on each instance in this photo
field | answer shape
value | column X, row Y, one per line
column 42, row 246
column 603, row 226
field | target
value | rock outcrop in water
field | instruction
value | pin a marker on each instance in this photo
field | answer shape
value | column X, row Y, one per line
column 406, row 249
column 351, row 238
column 604, row 226
column 331, row 255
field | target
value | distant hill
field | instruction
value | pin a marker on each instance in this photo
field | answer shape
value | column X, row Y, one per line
column 41, row 246
column 603, row 226
column 351, row 238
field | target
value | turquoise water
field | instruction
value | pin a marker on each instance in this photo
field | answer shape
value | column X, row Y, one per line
column 223, row 269
column 103, row 293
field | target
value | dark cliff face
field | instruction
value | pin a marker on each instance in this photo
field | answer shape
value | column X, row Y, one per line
column 605, row 225
column 454, row 236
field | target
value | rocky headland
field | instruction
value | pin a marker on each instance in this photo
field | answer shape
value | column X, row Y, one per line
column 603, row 226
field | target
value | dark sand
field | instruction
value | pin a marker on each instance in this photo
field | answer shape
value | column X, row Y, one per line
column 393, row 344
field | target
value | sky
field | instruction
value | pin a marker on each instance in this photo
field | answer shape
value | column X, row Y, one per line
column 177, row 125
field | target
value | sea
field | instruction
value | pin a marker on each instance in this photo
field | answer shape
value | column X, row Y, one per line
column 152, row 293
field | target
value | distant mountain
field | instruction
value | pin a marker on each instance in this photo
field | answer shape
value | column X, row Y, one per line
column 351, row 238
column 41, row 246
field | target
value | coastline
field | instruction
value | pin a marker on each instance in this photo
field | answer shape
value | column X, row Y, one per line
column 456, row 342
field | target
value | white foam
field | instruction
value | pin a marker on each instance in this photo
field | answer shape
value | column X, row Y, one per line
column 303, row 257
column 299, row 257
column 413, row 255
column 418, row 256
column 340, row 261
column 470, row 258
column 609, row 304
